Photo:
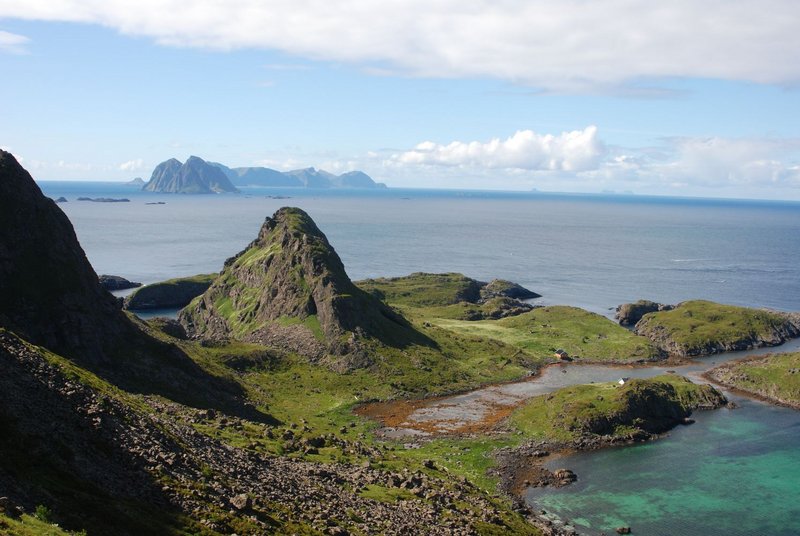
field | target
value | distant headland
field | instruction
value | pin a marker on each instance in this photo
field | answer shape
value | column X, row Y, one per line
column 196, row 176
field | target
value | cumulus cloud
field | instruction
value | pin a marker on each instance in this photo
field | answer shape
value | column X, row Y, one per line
column 563, row 45
column 581, row 161
column 569, row 151
column 132, row 165
column 12, row 43
column 712, row 163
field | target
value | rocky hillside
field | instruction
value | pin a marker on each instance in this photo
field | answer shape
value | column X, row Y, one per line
column 701, row 327
column 49, row 292
column 289, row 289
column 51, row 296
column 195, row 176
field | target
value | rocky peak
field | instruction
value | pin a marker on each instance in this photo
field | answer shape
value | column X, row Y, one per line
column 49, row 292
column 195, row 176
column 289, row 288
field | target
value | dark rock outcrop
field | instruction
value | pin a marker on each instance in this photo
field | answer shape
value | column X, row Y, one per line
column 115, row 282
column 51, row 296
column 628, row 314
column 49, row 293
column 173, row 293
column 288, row 288
column 104, row 199
column 500, row 288
column 195, row 176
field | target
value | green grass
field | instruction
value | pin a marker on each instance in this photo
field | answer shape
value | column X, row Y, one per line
column 27, row 525
column 776, row 376
column 422, row 289
column 694, row 327
column 574, row 411
column 387, row 495
column 542, row 331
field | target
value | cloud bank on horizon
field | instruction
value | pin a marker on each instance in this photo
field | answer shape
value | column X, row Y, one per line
column 627, row 48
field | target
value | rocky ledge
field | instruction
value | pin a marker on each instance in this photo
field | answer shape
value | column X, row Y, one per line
column 115, row 282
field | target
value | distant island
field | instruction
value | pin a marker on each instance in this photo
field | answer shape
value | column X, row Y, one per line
column 196, row 176
column 138, row 181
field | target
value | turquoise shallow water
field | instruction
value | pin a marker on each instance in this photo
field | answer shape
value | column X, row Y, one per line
column 734, row 472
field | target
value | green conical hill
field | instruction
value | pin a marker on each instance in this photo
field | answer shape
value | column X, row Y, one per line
column 289, row 288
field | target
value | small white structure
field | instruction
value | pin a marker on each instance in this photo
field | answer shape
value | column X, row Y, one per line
column 623, row 381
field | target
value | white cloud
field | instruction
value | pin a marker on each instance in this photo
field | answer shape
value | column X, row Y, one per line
column 12, row 43
column 132, row 165
column 569, row 151
column 561, row 45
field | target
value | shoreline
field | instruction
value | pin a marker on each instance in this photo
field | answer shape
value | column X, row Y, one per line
column 711, row 377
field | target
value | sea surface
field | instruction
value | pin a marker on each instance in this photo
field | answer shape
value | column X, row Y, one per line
column 590, row 251
column 734, row 472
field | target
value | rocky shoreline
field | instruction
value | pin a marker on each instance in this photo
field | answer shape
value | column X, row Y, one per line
column 728, row 377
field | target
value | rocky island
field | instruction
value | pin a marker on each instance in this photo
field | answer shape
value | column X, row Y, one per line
column 195, row 176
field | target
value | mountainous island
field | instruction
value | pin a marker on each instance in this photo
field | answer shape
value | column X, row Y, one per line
column 268, row 406
column 196, row 176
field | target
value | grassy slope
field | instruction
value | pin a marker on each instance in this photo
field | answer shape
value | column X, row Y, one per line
column 542, row 331
column 27, row 525
column 564, row 415
column 770, row 376
column 695, row 325
column 422, row 289
column 157, row 293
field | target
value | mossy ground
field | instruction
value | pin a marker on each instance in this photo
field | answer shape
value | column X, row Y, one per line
column 28, row 525
column 422, row 289
column 698, row 324
column 776, row 376
column 564, row 414
column 542, row 331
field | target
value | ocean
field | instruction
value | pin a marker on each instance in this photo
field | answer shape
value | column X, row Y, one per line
column 734, row 472
column 589, row 251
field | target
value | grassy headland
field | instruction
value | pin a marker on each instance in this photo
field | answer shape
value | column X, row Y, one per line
column 775, row 377
column 701, row 327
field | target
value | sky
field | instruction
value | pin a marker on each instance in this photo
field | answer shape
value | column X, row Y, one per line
column 687, row 97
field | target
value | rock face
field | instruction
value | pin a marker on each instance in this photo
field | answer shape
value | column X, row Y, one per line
column 115, row 282
column 298, row 178
column 628, row 314
column 195, row 176
column 169, row 294
column 51, row 296
column 500, row 288
column 288, row 288
column 49, row 292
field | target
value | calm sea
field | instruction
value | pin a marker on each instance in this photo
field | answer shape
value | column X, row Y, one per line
column 734, row 472
column 591, row 251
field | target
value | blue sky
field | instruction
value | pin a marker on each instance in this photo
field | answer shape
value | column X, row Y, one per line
column 563, row 96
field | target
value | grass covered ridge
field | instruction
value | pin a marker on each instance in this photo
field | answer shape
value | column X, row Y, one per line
column 650, row 405
column 542, row 331
column 701, row 327
column 775, row 377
